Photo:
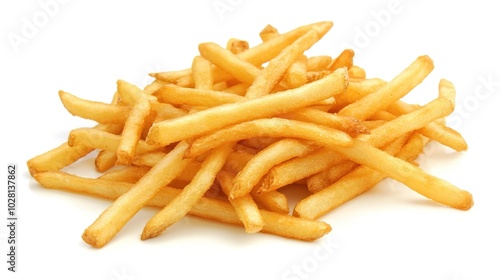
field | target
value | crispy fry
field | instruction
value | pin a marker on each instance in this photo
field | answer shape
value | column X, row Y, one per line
column 208, row 208
column 299, row 168
column 296, row 74
column 276, row 68
column 177, row 95
column 64, row 154
column 345, row 59
column 391, row 91
column 245, row 206
column 93, row 110
column 224, row 115
column 318, row 63
column 425, row 184
column 243, row 122
column 273, row 127
column 129, row 174
column 237, row 46
column 109, row 223
column 268, row 32
column 349, row 186
column 132, row 130
column 261, row 163
column 102, row 140
column 356, row 72
column 318, row 181
column 202, row 73
column 105, row 160
column 190, row 195
column 240, row 69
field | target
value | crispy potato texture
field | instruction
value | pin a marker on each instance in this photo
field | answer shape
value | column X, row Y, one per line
column 220, row 139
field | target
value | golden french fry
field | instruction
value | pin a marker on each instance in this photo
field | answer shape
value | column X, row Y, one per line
column 271, row 48
column 257, row 55
column 237, row 46
column 403, row 124
column 273, row 201
column 218, row 117
column 105, row 160
column 435, row 131
column 240, row 69
column 355, row 91
column 349, row 125
column 345, row 59
column 296, row 74
column 254, row 119
column 415, row 178
column 166, row 111
column 129, row 174
column 102, row 140
column 261, row 163
column 57, row 158
column 208, row 208
column 318, row 63
column 153, row 86
column 276, row 68
column 171, row 76
column 239, row 89
column 268, row 32
column 190, row 194
column 356, row 72
column 320, row 180
column 245, row 206
column 299, row 168
column 132, row 131
column 177, row 95
column 274, row 127
column 148, row 159
column 445, row 135
column 351, row 185
column 93, row 110
column 391, row 91
column 110, row 222
column 131, row 94
column 64, row 154
column 202, row 73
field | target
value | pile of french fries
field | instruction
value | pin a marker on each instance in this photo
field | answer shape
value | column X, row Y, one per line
column 249, row 121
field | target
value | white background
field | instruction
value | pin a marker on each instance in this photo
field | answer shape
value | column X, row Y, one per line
column 83, row 47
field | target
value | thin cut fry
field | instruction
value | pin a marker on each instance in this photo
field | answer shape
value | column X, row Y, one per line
column 351, row 185
column 391, row 91
column 182, row 203
column 345, row 59
column 208, row 208
column 427, row 185
column 64, row 154
column 219, row 140
column 109, row 223
column 132, row 130
column 215, row 118
column 273, row 127
column 260, row 164
column 245, row 206
column 93, row 110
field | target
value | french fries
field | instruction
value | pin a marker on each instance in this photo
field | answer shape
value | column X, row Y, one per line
column 251, row 120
